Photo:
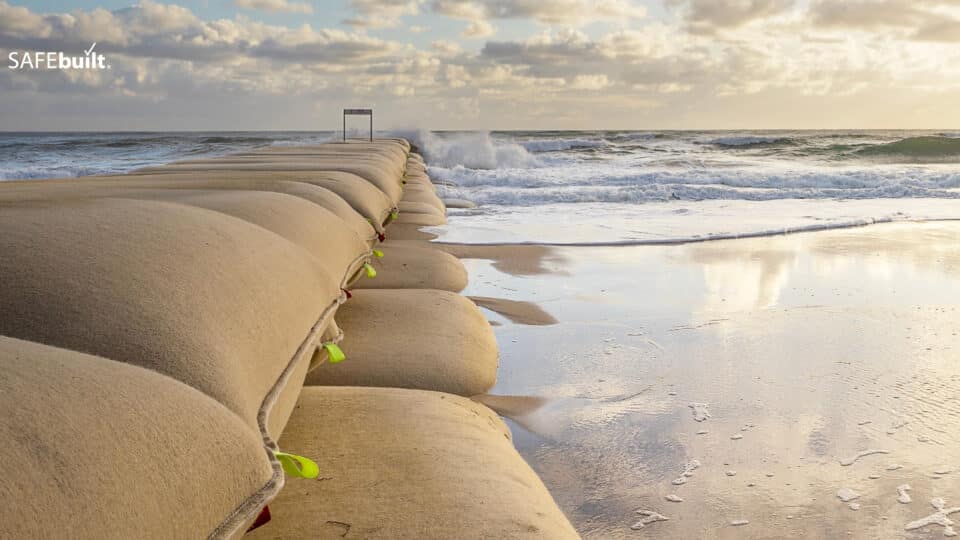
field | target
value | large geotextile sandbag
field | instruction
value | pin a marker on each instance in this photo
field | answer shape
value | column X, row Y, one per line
column 307, row 225
column 94, row 448
column 389, row 148
column 214, row 301
column 292, row 215
column 425, row 198
column 415, row 265
column 413, row 338
column 361, row 205
column 407, row 464
column 410, row 218
column 415, row 207
column 382, row 177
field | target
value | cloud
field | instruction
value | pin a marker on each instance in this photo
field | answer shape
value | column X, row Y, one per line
column 478, row 30
column 707, row 16
column 381, row 13
column 570, row 12
column 916, row 20
column 280, row 6
column 446, row 47
column 946, row 31
column 835, row 64
column 151, row 30
column 867, row 15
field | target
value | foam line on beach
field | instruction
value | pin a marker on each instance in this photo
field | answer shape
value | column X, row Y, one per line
column 711, row 238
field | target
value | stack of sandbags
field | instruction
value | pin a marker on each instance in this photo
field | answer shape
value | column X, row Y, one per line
column 220, row 304
column 410, row 461
column 358, row 203
column 380, row 163
column 222, row 278
column 420, row 204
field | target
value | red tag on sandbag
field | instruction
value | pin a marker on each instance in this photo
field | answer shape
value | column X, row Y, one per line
column 262, row 519
column 382, row 237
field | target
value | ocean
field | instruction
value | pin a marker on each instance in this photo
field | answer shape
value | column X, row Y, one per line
column 601, row 187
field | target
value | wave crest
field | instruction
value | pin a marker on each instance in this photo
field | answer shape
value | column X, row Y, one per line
column 930, row 147
column 474, row 150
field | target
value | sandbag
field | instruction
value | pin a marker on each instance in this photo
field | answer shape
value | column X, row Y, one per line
column 415, row 207
column 218, row 303
column 381, row 162
column 410, row 218
column 423, row 196
column 99, row 186
column 405, row 464
column 415, row 265
column 413, row 338
column 395, row 147
column 401, row 231
column 342, row 253
column 94, row 448
column 384, row 178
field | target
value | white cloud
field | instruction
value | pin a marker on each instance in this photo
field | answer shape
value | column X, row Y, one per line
column 281, row 6
column 478, row 30
column 446, row 48
column 577, row 12
column 381, row 13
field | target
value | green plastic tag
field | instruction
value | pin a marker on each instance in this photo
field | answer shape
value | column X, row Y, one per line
column 371, row 272
column 378, row 254
column 394, row 215
column 298, row 466
column 334, row 352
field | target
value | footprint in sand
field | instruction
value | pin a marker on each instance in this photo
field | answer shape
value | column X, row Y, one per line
column 674, row 498
column 846, row 494
column 700, row 412
column 903, row 497
column 649, row 517
column 687, row 472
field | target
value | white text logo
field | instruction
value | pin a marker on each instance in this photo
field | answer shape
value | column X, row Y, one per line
column 57, row 60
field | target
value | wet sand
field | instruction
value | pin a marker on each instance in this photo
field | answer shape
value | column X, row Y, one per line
column 517, row 311
column 797, row 372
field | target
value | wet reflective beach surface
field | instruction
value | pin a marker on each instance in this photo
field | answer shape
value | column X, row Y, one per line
column 781, row 387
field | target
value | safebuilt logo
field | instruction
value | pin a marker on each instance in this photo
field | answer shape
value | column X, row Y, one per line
column 57, row 60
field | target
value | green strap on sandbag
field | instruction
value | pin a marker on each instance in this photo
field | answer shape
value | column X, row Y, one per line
column 298, row 466
column 378, row 254
column 371, row 272
column 334, row 352
column 394, row 215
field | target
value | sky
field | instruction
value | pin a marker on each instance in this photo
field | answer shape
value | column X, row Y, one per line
column 485, row 64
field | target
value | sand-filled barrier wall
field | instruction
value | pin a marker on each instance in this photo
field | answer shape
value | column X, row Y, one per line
column 161, row 325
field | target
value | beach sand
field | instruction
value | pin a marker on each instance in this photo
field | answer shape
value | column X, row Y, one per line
column 817, row 364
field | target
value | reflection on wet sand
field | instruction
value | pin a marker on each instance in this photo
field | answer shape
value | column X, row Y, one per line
column 827, row 362
column 517, row 311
